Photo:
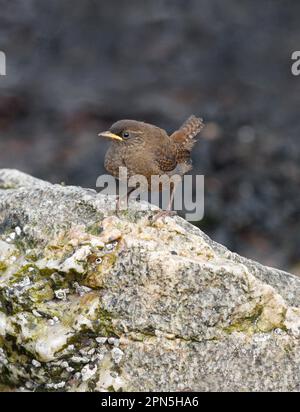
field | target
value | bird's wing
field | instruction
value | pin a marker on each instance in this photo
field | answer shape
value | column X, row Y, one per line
column 184, row 136
column 166, row 159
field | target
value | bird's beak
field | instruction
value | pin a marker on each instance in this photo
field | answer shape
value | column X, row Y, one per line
column 110, row 135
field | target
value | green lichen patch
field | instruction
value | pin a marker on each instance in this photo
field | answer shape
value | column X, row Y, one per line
column 3, row 267
column 95, row 229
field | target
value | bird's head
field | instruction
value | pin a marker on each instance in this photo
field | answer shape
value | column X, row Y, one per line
column 130, row 131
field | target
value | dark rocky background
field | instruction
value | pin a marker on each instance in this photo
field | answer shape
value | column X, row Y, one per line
column 74, row 67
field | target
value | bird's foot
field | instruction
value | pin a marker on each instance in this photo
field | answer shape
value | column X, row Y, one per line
column 118, row 204
column 162, row 214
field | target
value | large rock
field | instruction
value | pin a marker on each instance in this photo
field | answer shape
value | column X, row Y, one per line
column 93, row 301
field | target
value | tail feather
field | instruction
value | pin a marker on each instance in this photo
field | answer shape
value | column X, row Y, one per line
column 185, row 136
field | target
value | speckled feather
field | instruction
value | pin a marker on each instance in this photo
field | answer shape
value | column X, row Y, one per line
column 185, row 136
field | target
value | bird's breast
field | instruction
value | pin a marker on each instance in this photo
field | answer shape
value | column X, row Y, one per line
column 114, row 160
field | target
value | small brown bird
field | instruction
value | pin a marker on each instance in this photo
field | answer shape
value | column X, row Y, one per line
column 148, row 150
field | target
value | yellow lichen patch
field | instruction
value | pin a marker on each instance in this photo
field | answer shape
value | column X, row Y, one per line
column 79, row 236
column 88, row 298
column 263, row 311
column 292, row 320
column 3, row 266
column 273, row 313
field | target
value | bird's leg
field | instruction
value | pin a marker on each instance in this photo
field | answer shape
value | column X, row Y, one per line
column 168, row 211
column 120, row 198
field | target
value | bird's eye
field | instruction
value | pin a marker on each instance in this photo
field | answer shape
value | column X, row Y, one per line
column 125, row 135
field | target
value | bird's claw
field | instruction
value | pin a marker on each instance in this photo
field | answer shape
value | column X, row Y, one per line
column 162, row 214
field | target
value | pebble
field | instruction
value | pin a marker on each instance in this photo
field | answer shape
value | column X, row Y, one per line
column 81, row 290
column 36, row 313
column 53, row 320
column 79, row 359
column 117, row 355
column 36, row 363
column 101, row 341
column 18, row 231
column 88, row 371
column 114, row 341
column 56, row 385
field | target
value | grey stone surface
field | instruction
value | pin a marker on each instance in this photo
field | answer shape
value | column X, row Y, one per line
column 94, row 301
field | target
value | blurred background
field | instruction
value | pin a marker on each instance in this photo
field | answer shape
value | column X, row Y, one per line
column 75, row 67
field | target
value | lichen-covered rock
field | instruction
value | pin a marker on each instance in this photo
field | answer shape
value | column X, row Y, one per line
column 94, row 301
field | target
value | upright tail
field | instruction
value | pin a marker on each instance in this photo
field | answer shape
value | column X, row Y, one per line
column 185, row 136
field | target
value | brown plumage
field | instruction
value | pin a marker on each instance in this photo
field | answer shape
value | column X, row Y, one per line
column 148, row 150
